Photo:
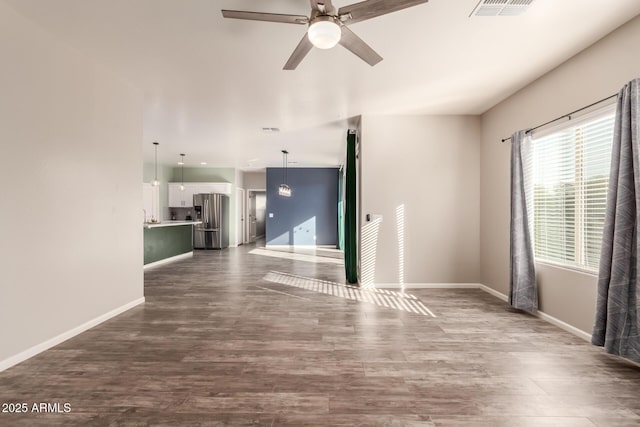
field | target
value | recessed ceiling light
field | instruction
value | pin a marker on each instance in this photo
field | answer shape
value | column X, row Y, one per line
column 203, row 163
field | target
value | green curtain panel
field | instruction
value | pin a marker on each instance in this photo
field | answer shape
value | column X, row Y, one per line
column 340, row 210
column 350, row 226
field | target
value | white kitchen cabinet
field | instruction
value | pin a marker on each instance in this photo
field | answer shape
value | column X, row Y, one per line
column 184, row 198
column 213, row 187
column 199, row 189
column 180, row 198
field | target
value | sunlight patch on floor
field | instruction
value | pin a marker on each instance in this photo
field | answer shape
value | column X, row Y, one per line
column 297, row 257
column 380, row 297
column 308, row 250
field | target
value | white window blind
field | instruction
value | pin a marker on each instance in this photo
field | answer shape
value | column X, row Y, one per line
column 570, row 174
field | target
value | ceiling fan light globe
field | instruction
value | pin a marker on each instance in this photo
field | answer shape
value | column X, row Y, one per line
column 324, row 34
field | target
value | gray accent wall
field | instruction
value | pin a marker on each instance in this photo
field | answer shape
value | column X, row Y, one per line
column 310, row 216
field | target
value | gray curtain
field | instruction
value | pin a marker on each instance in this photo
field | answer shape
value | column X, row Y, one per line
column 523, row 293
column 616, row 326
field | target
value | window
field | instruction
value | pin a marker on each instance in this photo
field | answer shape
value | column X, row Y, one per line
column 570, row 174
column 150, row 202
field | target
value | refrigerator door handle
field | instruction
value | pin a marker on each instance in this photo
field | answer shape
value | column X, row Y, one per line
column 206, row 211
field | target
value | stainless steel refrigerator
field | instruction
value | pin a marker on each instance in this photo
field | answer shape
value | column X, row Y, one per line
column 213, row 211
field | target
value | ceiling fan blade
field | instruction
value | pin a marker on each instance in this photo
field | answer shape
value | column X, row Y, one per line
column 356, row 45
column 362, row 11
column 299, row 53
column 269, row 17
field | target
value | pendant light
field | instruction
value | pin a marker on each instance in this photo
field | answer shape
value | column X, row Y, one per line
column 284, row 190
column 155, row 181
column 182, row 172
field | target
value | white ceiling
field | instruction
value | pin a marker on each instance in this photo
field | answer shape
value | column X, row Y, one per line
column 211, row 84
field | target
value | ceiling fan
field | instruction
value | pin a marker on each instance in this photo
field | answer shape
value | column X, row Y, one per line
column 328, row 26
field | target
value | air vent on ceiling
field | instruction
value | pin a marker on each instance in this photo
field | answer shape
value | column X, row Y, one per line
column 501, row 7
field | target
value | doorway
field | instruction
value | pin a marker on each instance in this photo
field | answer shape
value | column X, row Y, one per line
column 241, row 209
column 257, row 208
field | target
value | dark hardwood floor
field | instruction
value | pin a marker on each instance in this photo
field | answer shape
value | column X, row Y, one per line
column 217, row 344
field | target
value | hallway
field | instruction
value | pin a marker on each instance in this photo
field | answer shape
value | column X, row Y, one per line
column 222, row 341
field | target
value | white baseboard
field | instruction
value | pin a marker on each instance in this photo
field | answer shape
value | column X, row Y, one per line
column 540, row 314
column 169, row 260
column 300, row 246
column 495, row 293
column 39, row 348
column 544, row 316
column 563, row 325
column 425, row 285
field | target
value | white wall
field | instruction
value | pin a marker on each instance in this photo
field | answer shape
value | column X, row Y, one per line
column 429, row 165
column 595, row 73
column 255, row 180
column 70, row 222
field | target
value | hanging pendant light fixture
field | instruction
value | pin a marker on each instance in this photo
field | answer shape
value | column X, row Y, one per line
column 284, row 190
column 155, row 181
column 181, row 163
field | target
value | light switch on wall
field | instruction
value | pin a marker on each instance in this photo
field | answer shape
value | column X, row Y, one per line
column 270, row 214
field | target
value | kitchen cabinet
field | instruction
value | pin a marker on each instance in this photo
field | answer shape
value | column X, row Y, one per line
column 165, row 241
column 180, row 198
column 213, row 187
column 184, row 198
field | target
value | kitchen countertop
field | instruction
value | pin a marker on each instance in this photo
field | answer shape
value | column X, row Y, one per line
column 169, row 223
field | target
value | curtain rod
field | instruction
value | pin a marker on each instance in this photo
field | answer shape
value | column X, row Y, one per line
column 566, row 115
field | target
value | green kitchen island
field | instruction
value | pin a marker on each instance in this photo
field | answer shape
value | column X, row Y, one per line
column 167, row 241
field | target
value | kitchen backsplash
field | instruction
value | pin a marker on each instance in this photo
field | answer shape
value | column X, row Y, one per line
column 180, row 214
